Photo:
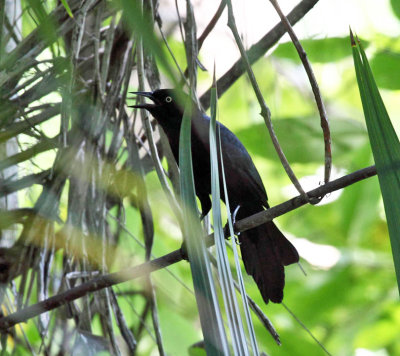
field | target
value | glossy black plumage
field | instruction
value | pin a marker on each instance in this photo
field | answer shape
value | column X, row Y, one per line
column 265, row 250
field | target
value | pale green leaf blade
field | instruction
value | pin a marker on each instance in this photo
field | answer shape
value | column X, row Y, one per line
column 67, row 8
column 235, row 324
column 209, row 310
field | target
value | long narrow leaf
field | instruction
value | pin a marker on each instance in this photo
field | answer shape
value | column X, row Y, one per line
column 209, row 310
column 239, row 274
column 67, row 8
column 227, row 286
column 385, row 147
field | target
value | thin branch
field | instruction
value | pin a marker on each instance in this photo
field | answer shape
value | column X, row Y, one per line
column 315, row 88
column 122, row 324
column 175, row 256
column 208, row 30
column 29, row 122
column 96, row 56
column 9, row 186
column 87, row 287
column 263, row 318
column 179, row 21
column 294, row 203
column 258, row 50
column 308, row 331
column 211, row 24
column 45, row 145
column 265, row 112
column 150, row 137
column 183, row 79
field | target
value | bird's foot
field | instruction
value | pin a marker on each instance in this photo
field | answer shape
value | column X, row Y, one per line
column 237, row 234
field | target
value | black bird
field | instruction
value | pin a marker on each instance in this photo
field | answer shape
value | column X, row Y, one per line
column 265, row 250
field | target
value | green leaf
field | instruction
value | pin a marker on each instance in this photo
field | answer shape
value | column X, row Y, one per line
column 234, row 318
column 395, row 7
column 197, row 351
column 304, row 144
column 386, row 68
column 67, row 8
column 47, row 26
column 385, row 148
column 324, row 50
column 206, row 297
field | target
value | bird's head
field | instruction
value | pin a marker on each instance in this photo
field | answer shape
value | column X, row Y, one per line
column 167, row 105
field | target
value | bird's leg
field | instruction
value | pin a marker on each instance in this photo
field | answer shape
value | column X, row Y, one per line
column 226, row 227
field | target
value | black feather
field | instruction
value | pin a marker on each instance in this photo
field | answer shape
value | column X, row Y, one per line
column 265, row 250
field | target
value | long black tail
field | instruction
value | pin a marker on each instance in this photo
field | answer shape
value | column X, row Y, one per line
column 265, row 252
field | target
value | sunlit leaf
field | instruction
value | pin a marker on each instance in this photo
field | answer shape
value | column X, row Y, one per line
column 323, row 50
column 304, row 144
column 67, row 8
column 385, row 147
column 386, row 68
column 395, row 7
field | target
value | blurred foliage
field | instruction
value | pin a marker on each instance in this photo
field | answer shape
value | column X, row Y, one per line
column 325, row 50
column 396, row 7
column 348, row 299
column 386, row 68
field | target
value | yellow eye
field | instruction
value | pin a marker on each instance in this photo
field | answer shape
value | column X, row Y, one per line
column 168, row 99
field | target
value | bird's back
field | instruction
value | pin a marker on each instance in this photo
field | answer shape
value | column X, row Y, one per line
column 243, row 181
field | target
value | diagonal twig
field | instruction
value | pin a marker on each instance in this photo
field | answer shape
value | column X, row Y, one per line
column 308, row 331
column 258, row 50
column 315, row 88
column 211, row 24
column 265, row 112
column 209, row 28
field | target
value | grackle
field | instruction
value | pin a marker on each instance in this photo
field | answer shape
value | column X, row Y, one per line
column 265, row 250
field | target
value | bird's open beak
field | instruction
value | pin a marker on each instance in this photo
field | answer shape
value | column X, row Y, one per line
column 144, row 105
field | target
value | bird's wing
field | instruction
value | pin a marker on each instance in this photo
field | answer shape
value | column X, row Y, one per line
column 235, row 155
column 239, row 167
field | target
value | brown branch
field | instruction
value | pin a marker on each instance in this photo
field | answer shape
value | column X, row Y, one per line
column 315, row 88
column 8, row 186
column 211, row 25
column 175, row 256
column 45, row 144
column 294, row 203
column 258, row 50
column 207, row 31
column 91, row 286
column 265, row 112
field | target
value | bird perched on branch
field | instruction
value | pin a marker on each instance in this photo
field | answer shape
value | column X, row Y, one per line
column 265, row 250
